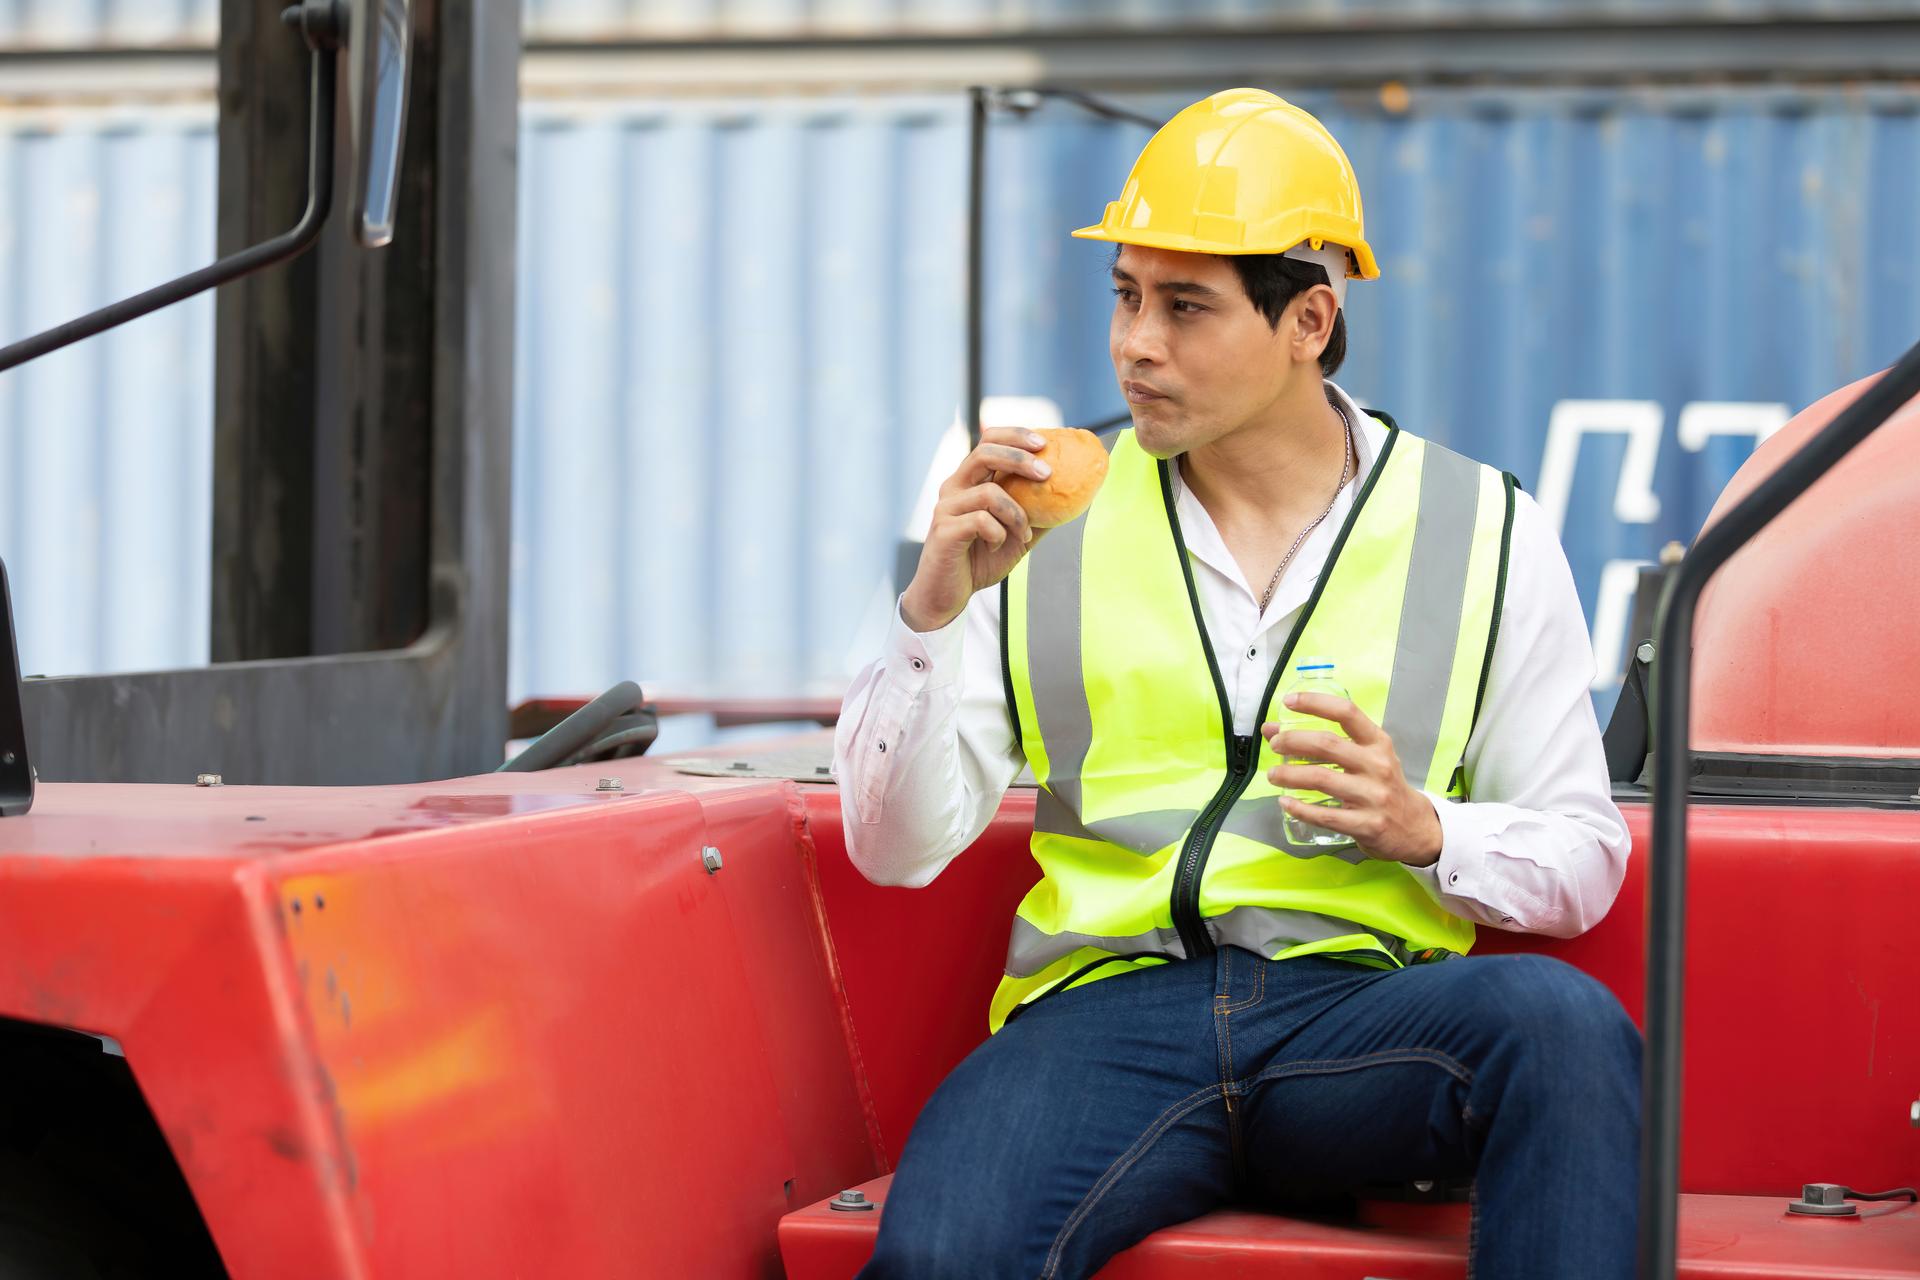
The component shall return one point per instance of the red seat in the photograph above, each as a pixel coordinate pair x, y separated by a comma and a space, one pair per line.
1800, 1041
1724, 1237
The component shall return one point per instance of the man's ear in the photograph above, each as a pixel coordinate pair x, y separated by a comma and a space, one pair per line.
1312, 317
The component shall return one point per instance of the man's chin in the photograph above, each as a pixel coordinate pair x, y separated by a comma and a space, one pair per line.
1157, 436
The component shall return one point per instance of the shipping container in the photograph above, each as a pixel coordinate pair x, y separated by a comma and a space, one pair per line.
741, 335
1639, 283
106, 448
148, 24
643, 19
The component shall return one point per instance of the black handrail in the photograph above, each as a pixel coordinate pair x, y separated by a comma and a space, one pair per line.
1671, 777
232, 267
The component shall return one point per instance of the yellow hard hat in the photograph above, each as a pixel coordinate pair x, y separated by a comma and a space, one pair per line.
1244, 171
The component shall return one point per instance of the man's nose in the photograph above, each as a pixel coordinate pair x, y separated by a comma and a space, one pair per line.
1144, 339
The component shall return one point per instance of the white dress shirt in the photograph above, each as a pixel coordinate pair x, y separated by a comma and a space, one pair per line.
924, 750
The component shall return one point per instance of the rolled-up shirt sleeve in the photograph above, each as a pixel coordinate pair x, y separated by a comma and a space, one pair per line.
1540, 846
924, 749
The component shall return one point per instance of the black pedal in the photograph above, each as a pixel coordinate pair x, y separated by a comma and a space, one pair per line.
16, 770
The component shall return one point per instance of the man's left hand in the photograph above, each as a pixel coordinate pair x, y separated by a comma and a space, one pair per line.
1384, 816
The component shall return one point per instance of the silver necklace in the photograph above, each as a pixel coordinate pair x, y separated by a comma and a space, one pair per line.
1346, 474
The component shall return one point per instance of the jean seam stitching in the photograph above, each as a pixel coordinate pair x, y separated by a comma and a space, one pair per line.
1381, 1058
1259, 992
1226, 1026
1473, 1226
1115, 1171
1222, 1049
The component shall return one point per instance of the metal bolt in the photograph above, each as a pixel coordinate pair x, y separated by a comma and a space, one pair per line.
208, 780
1422, 1185
610, 784
1673, 553
8, 758
1823, 1200
711, 857
1914, 1113
1645, 651
851, 1202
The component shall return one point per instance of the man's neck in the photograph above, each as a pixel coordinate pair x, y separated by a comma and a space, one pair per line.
1273, 475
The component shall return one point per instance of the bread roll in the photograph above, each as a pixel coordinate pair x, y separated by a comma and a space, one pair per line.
1079, 463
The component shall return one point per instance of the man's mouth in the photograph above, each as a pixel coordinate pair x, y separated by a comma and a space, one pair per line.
1140, 393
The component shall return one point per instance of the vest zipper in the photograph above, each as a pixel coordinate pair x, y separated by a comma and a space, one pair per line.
1241, 752
1193, 855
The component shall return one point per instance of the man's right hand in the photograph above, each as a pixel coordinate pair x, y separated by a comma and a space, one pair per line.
978, 534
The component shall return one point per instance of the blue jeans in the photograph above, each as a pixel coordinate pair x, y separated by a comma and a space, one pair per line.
1111, 1110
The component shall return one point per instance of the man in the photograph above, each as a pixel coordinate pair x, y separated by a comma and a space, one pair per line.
1197, 1007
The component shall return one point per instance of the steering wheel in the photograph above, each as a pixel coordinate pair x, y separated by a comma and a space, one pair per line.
577, 732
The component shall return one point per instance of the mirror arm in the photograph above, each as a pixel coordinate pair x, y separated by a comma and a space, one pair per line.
232, 267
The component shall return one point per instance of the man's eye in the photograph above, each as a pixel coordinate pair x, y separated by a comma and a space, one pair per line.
1188, 306
1127, 296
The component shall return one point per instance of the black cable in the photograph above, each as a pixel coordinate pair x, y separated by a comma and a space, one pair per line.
577, 732
643, 736
1898, 1193
1096, 106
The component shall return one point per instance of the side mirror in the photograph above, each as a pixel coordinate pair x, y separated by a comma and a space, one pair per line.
379, 56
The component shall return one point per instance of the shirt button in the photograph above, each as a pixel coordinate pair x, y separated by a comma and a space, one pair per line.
883, 747
1452, 879
919, 665
1252, 652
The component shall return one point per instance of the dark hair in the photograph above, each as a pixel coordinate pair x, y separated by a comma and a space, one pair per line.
1272, 281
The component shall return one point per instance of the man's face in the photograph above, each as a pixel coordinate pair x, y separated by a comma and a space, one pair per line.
1193, 357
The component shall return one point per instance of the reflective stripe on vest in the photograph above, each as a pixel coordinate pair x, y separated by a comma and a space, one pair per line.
1118, 702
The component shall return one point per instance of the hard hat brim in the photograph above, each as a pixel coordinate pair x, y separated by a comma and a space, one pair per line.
1367, 268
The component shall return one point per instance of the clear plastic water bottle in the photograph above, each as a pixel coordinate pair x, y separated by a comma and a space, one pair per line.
1312, 675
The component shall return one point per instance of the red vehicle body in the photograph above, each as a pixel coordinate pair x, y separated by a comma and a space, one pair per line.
513, 1025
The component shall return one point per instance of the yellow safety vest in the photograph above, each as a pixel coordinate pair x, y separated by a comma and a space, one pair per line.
1156, 830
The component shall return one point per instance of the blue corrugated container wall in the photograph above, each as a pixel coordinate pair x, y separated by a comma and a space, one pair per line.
742, 329
591, 19
106, 448
740, 335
